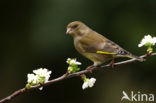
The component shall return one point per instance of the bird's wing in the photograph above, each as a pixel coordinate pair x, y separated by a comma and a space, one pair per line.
113, 48
102, 45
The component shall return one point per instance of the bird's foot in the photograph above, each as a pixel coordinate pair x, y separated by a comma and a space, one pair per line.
89, 68
112, 63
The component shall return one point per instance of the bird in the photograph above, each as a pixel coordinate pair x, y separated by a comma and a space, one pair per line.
95, 46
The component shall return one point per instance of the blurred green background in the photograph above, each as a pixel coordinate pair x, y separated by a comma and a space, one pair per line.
32, 35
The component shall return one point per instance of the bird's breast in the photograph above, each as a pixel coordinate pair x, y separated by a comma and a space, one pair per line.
78, 45
96, 58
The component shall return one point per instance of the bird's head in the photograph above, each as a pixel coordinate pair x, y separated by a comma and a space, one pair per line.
76, 28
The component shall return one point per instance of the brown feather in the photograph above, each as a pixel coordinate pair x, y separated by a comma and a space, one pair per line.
87, 42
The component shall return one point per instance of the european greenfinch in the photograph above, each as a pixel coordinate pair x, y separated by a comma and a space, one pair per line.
95, 46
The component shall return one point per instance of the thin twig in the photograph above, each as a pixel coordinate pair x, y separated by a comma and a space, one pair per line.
67, 76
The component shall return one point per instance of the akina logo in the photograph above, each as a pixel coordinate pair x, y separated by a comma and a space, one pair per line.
137, 96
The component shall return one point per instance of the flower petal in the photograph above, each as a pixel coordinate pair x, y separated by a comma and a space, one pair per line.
85, 85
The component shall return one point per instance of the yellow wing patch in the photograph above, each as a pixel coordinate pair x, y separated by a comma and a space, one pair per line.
101, 52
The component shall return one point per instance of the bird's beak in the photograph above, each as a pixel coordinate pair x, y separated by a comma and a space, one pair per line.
68, 30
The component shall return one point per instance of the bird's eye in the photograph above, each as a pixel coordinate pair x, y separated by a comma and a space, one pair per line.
75, 26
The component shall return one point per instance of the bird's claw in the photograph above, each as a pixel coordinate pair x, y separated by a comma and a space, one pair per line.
89, 68
112, 63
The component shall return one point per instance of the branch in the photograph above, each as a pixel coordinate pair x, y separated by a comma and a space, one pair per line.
67, 76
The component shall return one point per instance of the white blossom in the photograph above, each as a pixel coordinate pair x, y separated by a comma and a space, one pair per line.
68, 60
41, 88
85, 85
88, 83
73, 61
40, 76
43, 73
147, 40
33, 79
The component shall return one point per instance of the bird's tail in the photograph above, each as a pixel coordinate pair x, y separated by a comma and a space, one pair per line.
129, 55
123, 54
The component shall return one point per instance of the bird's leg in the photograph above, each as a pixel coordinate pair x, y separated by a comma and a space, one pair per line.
112, 63
89, 68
